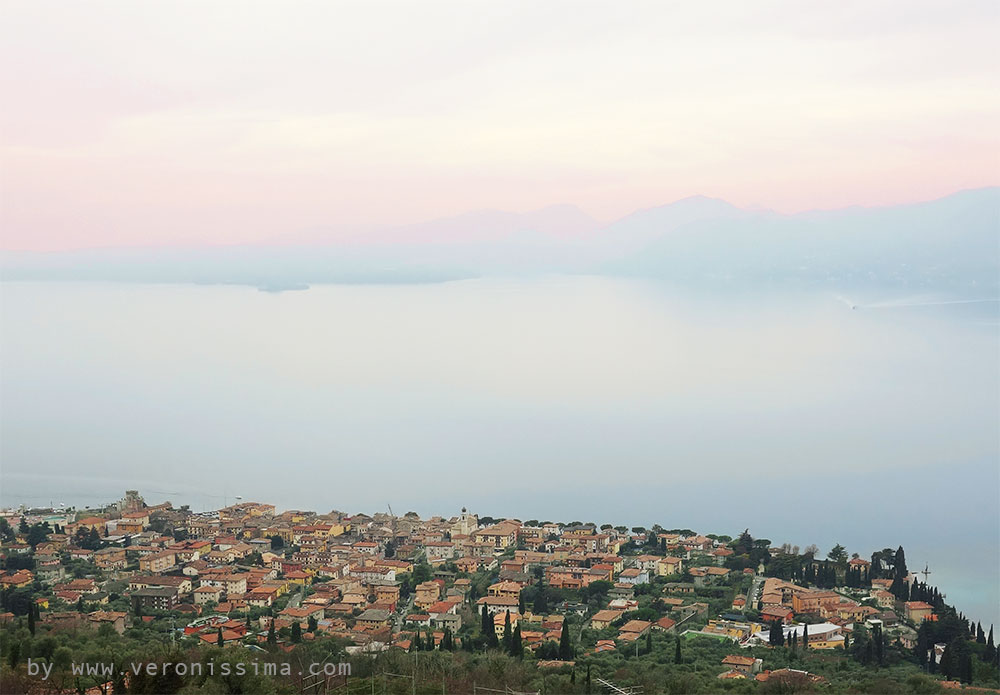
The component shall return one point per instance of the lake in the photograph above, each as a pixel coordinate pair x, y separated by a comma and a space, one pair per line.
566, 398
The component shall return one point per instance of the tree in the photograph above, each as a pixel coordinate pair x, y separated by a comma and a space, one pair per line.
838, 555
6, 532
677, 650
507, 634
649, 642
272, 639
416, 644
541, 604
296, 632
899, 587
565, 648
775, 636
805, 636
516, 647
218, 640
31, 621
312, 624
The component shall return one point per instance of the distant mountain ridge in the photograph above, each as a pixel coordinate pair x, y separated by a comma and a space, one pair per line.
948, 244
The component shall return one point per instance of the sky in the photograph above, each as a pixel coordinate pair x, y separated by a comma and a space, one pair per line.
166, 123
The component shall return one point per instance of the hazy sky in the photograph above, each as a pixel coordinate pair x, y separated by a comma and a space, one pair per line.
172, 122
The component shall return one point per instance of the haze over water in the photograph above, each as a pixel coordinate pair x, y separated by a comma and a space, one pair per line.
563, 397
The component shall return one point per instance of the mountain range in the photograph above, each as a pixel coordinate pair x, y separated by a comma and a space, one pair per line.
949, 244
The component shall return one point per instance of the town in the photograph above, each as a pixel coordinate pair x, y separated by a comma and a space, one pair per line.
461, 604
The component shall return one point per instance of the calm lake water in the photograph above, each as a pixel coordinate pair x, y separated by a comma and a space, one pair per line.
567, 398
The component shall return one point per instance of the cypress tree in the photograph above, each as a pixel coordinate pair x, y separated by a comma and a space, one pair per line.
980, 635
31, 621
677, 651
947, 659
565, 648
966, 667
774, 636
516, 647
486, 622
649, 642
805, 637
272, 638
507, 633
415, 644
218, 638
296, 632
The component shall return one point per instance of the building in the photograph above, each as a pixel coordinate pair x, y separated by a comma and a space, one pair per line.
374, 618
110, 559
634, 575
917, 611
501, 535
207, 594
746, 665
161, 598
158, 562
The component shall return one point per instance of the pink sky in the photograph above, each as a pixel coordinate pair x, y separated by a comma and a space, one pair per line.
130, 123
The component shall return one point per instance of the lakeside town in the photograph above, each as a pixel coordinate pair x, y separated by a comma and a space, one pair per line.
513, 605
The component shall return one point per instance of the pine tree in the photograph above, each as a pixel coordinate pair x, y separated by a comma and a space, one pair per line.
677, 650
